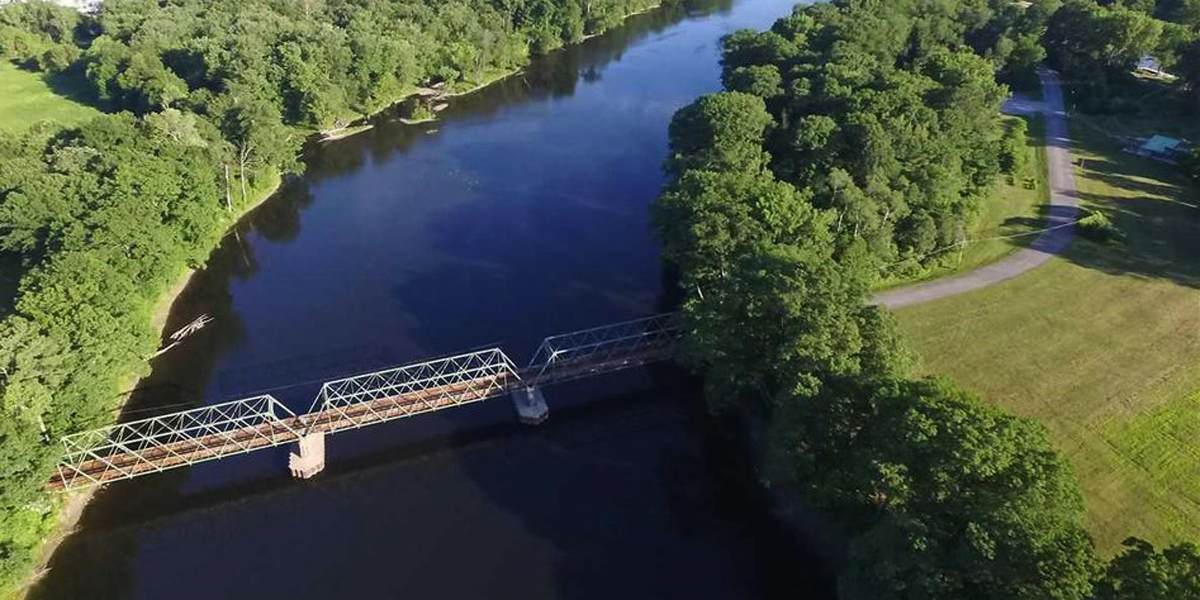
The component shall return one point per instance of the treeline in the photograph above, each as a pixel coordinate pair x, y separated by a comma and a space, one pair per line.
313, 62
845, 134
1098, 45
213, 100
889, 119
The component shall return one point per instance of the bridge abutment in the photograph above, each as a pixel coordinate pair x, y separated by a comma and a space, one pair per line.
531, 405
311, 459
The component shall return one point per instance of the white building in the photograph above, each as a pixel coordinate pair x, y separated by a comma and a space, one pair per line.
80, 5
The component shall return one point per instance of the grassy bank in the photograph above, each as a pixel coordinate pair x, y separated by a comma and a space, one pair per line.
1102, 345
27, 98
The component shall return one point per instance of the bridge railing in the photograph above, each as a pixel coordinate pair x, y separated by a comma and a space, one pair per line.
178, 439
411, 389
603, 349
206, 433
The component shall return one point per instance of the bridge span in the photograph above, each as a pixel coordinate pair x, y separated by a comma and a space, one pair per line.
188, 437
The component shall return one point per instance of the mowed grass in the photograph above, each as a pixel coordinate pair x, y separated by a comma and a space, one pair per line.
27, 98
1007, 219
1102, 345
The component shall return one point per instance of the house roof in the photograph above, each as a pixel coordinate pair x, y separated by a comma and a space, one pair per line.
1161, 144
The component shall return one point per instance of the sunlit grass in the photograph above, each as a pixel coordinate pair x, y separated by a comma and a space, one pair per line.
1102, 345
27, 98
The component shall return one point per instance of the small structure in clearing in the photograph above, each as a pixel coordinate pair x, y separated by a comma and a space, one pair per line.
1163, 149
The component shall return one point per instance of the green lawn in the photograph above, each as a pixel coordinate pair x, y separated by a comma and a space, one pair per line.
1102, 345
1012, 209
27, 98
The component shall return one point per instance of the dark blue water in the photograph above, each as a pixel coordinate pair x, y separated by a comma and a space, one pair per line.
520, 214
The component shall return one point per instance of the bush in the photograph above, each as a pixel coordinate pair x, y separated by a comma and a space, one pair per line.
1096, 226
1014, 147
58, 58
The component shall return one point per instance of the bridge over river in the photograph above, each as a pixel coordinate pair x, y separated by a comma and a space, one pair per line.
183, 438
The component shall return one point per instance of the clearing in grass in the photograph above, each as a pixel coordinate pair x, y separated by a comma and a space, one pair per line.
28, 98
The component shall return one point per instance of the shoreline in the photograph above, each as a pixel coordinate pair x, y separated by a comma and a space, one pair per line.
71, 506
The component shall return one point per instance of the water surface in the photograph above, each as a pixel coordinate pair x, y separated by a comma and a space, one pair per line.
522, 213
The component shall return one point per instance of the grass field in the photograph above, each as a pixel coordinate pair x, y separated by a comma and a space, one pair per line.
1012, 209
1102, 345
27, 98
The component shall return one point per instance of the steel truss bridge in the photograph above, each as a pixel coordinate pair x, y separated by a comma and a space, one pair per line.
188, 437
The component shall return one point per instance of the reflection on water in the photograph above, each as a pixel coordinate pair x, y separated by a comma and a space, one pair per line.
522, 213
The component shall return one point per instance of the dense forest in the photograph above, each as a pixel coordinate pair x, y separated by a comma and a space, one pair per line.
212, 100
854, 137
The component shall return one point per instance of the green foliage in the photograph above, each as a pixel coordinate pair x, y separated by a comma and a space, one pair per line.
1143, 573
317, 63
105, 216
30, 29
1012, 39
854, 134
945, 496
881, 114
1098, 227
1098, 47
1183, 12
722, 131
954, 499
1014, 148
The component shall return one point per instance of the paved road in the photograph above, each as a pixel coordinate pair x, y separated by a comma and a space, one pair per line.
1064, 208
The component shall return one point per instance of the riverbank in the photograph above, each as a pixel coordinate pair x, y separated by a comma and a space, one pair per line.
73, 506
359, 123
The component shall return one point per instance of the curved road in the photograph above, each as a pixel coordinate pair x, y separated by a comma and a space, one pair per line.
1064, 208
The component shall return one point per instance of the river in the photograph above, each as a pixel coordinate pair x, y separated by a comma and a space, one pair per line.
520, 214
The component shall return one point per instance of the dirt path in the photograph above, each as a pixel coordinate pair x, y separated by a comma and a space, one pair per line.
1064, 208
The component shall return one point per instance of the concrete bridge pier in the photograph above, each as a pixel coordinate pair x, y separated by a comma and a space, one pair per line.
531, 405
311, 459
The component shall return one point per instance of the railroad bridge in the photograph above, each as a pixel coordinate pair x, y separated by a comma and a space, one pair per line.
188, 437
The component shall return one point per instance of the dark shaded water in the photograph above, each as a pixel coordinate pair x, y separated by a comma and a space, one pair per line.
522, 213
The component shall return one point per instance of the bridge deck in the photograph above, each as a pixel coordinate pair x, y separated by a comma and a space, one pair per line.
207, 433
125, 465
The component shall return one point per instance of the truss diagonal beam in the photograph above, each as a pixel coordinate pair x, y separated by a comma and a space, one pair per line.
603, 349
412, 389
207, 433
174, 440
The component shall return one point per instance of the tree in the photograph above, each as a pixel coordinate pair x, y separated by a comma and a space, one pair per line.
1087, 40
784, 319
1142, 573
722, 131
945, 496
707, 219
146, 85
259, 139
1184, 12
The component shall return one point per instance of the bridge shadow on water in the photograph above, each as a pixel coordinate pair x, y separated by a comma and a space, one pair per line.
633, 495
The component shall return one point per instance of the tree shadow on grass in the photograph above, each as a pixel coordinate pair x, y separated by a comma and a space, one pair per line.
1155, 213
72, 85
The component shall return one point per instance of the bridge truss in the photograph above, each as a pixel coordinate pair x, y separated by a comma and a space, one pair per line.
604, 349
178, 439
410, 390
207, 433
